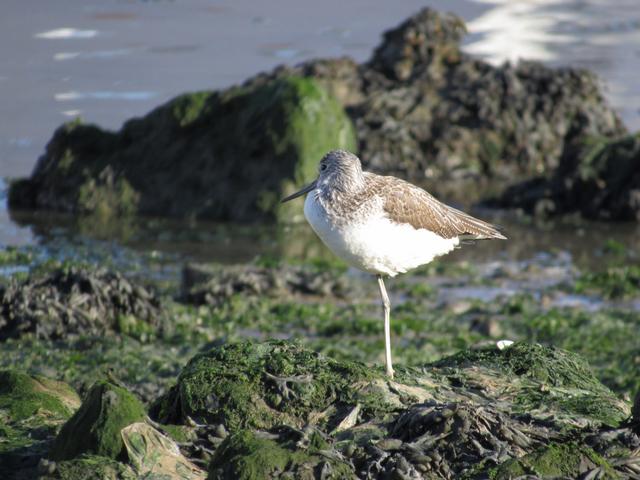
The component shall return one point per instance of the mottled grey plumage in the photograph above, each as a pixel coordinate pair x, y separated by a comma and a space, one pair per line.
348, 191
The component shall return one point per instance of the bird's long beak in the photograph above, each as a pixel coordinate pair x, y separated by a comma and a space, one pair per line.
301, 192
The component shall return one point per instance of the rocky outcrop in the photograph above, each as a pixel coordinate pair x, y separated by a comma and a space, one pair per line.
600, 180
425, 110
77, 300
225, 155
277, 409
95, 427
421, 108
273, 409
32, 410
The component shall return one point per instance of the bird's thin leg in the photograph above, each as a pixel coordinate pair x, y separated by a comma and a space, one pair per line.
386, 308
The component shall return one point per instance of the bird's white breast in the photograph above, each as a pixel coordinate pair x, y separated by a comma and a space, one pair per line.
375, 244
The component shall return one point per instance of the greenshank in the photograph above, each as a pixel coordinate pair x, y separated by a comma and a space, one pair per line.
381, 224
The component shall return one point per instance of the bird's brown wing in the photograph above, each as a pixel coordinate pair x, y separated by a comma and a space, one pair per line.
406, 203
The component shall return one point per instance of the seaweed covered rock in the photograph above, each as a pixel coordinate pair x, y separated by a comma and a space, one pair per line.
32, 409
600, 180
276, 409
76, 300
556, 461
214, 284
261, 386
250, 455
95, 428
425, 110
536, 372
149, 454
421, 108
424, 44
85, 467
228, 154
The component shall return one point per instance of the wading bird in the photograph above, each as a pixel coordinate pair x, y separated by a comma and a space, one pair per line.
381, 224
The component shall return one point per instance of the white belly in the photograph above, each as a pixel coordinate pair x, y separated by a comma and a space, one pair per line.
375, 244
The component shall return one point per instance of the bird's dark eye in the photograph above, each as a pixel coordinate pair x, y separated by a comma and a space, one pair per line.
323, 166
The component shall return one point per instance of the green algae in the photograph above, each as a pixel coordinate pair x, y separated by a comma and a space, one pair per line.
95, 427
246, 455
107, 197
615, 282
91, 466
179, 433
353, 331
560, 380
182, 159
553, 461
15, 256
190, 107
261, 385
66, 161
32, 408
301, 122
606, 338
544, 364
79, 361
279, 383
284, 405
135, 327
23, 396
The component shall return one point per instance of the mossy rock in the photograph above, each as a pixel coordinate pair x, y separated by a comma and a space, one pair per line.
276, 409
90, 466
568, 460
227, 155
262, 385
32, 408
55, 301
544, 380
95, 427
248, 455
23, 396
598, 179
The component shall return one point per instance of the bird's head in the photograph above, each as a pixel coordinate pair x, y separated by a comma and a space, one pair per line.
338, 170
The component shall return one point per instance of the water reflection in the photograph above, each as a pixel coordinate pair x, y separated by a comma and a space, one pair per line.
602, 36
581, 243
513, 31
104, 95
99, 54
65, 33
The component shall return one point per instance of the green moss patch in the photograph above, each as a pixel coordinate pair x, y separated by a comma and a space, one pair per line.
615, 282
248, 455
544, 378
90, 466
32, 408
555, 461
95, 427
262, 385
222, 155
548, 365
15, 256
23, 396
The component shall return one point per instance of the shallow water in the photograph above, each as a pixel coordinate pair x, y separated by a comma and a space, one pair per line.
110, 60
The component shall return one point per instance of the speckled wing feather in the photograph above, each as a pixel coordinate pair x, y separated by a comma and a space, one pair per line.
406, 203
